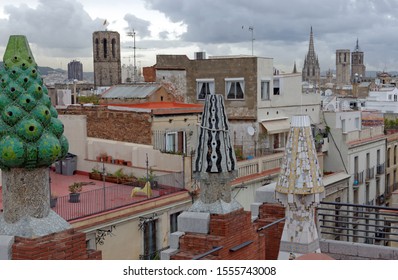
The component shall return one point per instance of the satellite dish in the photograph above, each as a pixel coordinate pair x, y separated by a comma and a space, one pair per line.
328, 92
251, 130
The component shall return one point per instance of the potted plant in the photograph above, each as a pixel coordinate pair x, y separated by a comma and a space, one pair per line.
129, 179
74, 192
119, 174
103, 156
151, 178
53, 200
95, 173
111, 178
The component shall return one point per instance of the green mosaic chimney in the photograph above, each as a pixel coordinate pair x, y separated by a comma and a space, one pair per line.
31, 135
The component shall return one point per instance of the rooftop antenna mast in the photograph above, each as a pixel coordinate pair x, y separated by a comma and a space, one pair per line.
132, 34
251, 28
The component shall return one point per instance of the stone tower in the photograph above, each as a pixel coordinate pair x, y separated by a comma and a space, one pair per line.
299, 188
311, 71
343, 66
358, 69
107, 61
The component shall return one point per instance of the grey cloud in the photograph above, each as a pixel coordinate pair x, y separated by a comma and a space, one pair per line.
140, 26
337, 24
164, 35
60, 27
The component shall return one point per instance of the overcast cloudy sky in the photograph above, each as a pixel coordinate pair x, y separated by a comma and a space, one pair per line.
61, 30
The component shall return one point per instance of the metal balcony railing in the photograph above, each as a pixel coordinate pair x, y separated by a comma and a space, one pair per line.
380, 169
358, 223
358, 178
394, 186
370, 173
112, 197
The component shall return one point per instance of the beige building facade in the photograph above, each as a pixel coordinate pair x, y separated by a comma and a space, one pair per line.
259, 100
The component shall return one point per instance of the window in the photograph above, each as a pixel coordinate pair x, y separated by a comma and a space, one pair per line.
357, 123
276, 87
105, 47
113, 48
337, 218
264, 90
204, 87
235, 88
395, 97
174, 222
97, 48
343, 126
149, 239
367, 193
279, 140
175, 142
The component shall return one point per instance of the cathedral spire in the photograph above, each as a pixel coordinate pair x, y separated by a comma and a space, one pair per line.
357, 49
311, 70
311, 49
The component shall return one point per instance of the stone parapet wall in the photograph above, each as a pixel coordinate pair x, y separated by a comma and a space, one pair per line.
341, 250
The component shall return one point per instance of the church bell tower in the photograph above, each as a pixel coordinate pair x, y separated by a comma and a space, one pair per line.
107, 61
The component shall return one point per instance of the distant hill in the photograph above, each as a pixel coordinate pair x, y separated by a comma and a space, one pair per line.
44, 70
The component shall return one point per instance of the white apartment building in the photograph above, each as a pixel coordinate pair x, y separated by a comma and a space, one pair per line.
359, 152
385, 100
277, 105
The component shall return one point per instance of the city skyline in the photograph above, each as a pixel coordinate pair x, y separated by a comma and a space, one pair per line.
60, 31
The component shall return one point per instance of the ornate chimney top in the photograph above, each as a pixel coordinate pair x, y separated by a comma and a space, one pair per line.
300, 171
215, 160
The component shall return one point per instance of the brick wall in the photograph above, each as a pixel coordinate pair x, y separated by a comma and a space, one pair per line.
149, 74
218, 69
268, 213
114, 125
226, 230
65, 245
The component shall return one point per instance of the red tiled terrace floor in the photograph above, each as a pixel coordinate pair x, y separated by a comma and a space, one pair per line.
91, 201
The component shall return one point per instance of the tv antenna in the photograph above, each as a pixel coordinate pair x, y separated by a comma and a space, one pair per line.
251, 29
132, 34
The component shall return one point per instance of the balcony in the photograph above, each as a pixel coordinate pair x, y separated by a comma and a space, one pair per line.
370, 173
380, 169
380, 200
100, 198
369, 224
259, 165
358, 178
